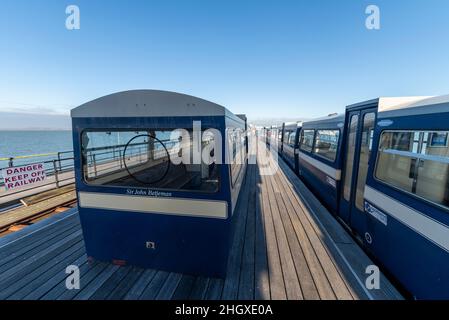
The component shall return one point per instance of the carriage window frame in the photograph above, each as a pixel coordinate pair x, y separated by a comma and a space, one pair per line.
301, 144
293, 133
285, 135
337, 144
90, 185
399, 189
235, 177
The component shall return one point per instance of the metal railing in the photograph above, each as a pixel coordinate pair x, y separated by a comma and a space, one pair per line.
99, 160
111, 158
58, 164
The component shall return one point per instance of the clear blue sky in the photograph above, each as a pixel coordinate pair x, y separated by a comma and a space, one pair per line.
264, 58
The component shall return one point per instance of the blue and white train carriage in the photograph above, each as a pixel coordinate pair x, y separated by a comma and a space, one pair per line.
392, 157
319, 160
402, 150
158, 176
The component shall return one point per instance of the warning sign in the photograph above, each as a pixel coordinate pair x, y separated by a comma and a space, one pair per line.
18, 177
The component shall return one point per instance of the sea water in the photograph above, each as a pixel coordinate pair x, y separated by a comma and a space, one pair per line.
25, 143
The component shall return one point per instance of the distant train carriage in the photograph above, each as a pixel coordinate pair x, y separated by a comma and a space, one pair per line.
280, 137
319, 157
290, 143
158, 176
267, 135
274, 137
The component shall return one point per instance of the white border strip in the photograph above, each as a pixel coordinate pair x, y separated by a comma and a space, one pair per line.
145, 204
429, 228
331, 172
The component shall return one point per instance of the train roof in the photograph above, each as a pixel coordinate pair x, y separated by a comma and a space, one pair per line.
407, 106
293, 125
331, 121
149, 103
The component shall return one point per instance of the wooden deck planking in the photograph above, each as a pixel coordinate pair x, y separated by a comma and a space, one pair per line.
139, 286
13, 263
214, 289
47, 272
276, 278
247, 267
199, 289
51, 278
231, 283
291, 282
347, 256
126, 284
29, 265
33, 233
327, 270
303, 269
261, 276
279, 250
10, 253
154, 286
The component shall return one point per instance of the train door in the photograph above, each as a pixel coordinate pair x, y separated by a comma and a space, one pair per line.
281, 139
359, 142
296, 150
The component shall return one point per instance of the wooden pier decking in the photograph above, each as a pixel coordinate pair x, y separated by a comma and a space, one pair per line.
285, 245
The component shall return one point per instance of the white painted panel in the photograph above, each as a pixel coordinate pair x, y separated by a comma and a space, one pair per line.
331, 172
145, 204
433, 230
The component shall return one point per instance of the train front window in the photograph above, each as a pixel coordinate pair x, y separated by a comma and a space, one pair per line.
416, 162
326, 143
159, 159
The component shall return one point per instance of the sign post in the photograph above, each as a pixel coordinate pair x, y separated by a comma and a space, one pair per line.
18, 177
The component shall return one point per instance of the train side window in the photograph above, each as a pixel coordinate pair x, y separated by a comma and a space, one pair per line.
432, 176
326, 143
286, 136
350, 154
422, 170
291, 139
307, 137
237, 141
395, 160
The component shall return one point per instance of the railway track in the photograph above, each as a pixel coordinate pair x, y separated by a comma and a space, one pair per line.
17, 217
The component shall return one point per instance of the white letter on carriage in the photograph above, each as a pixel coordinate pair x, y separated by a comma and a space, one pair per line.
73, 280
373, 280
73, 20
373, 20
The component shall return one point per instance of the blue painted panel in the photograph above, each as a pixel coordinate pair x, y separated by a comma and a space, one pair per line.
288, 155
418, 264
190, 245
317, 181
197, 246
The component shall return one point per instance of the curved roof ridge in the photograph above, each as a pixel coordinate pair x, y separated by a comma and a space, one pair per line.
144, 103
